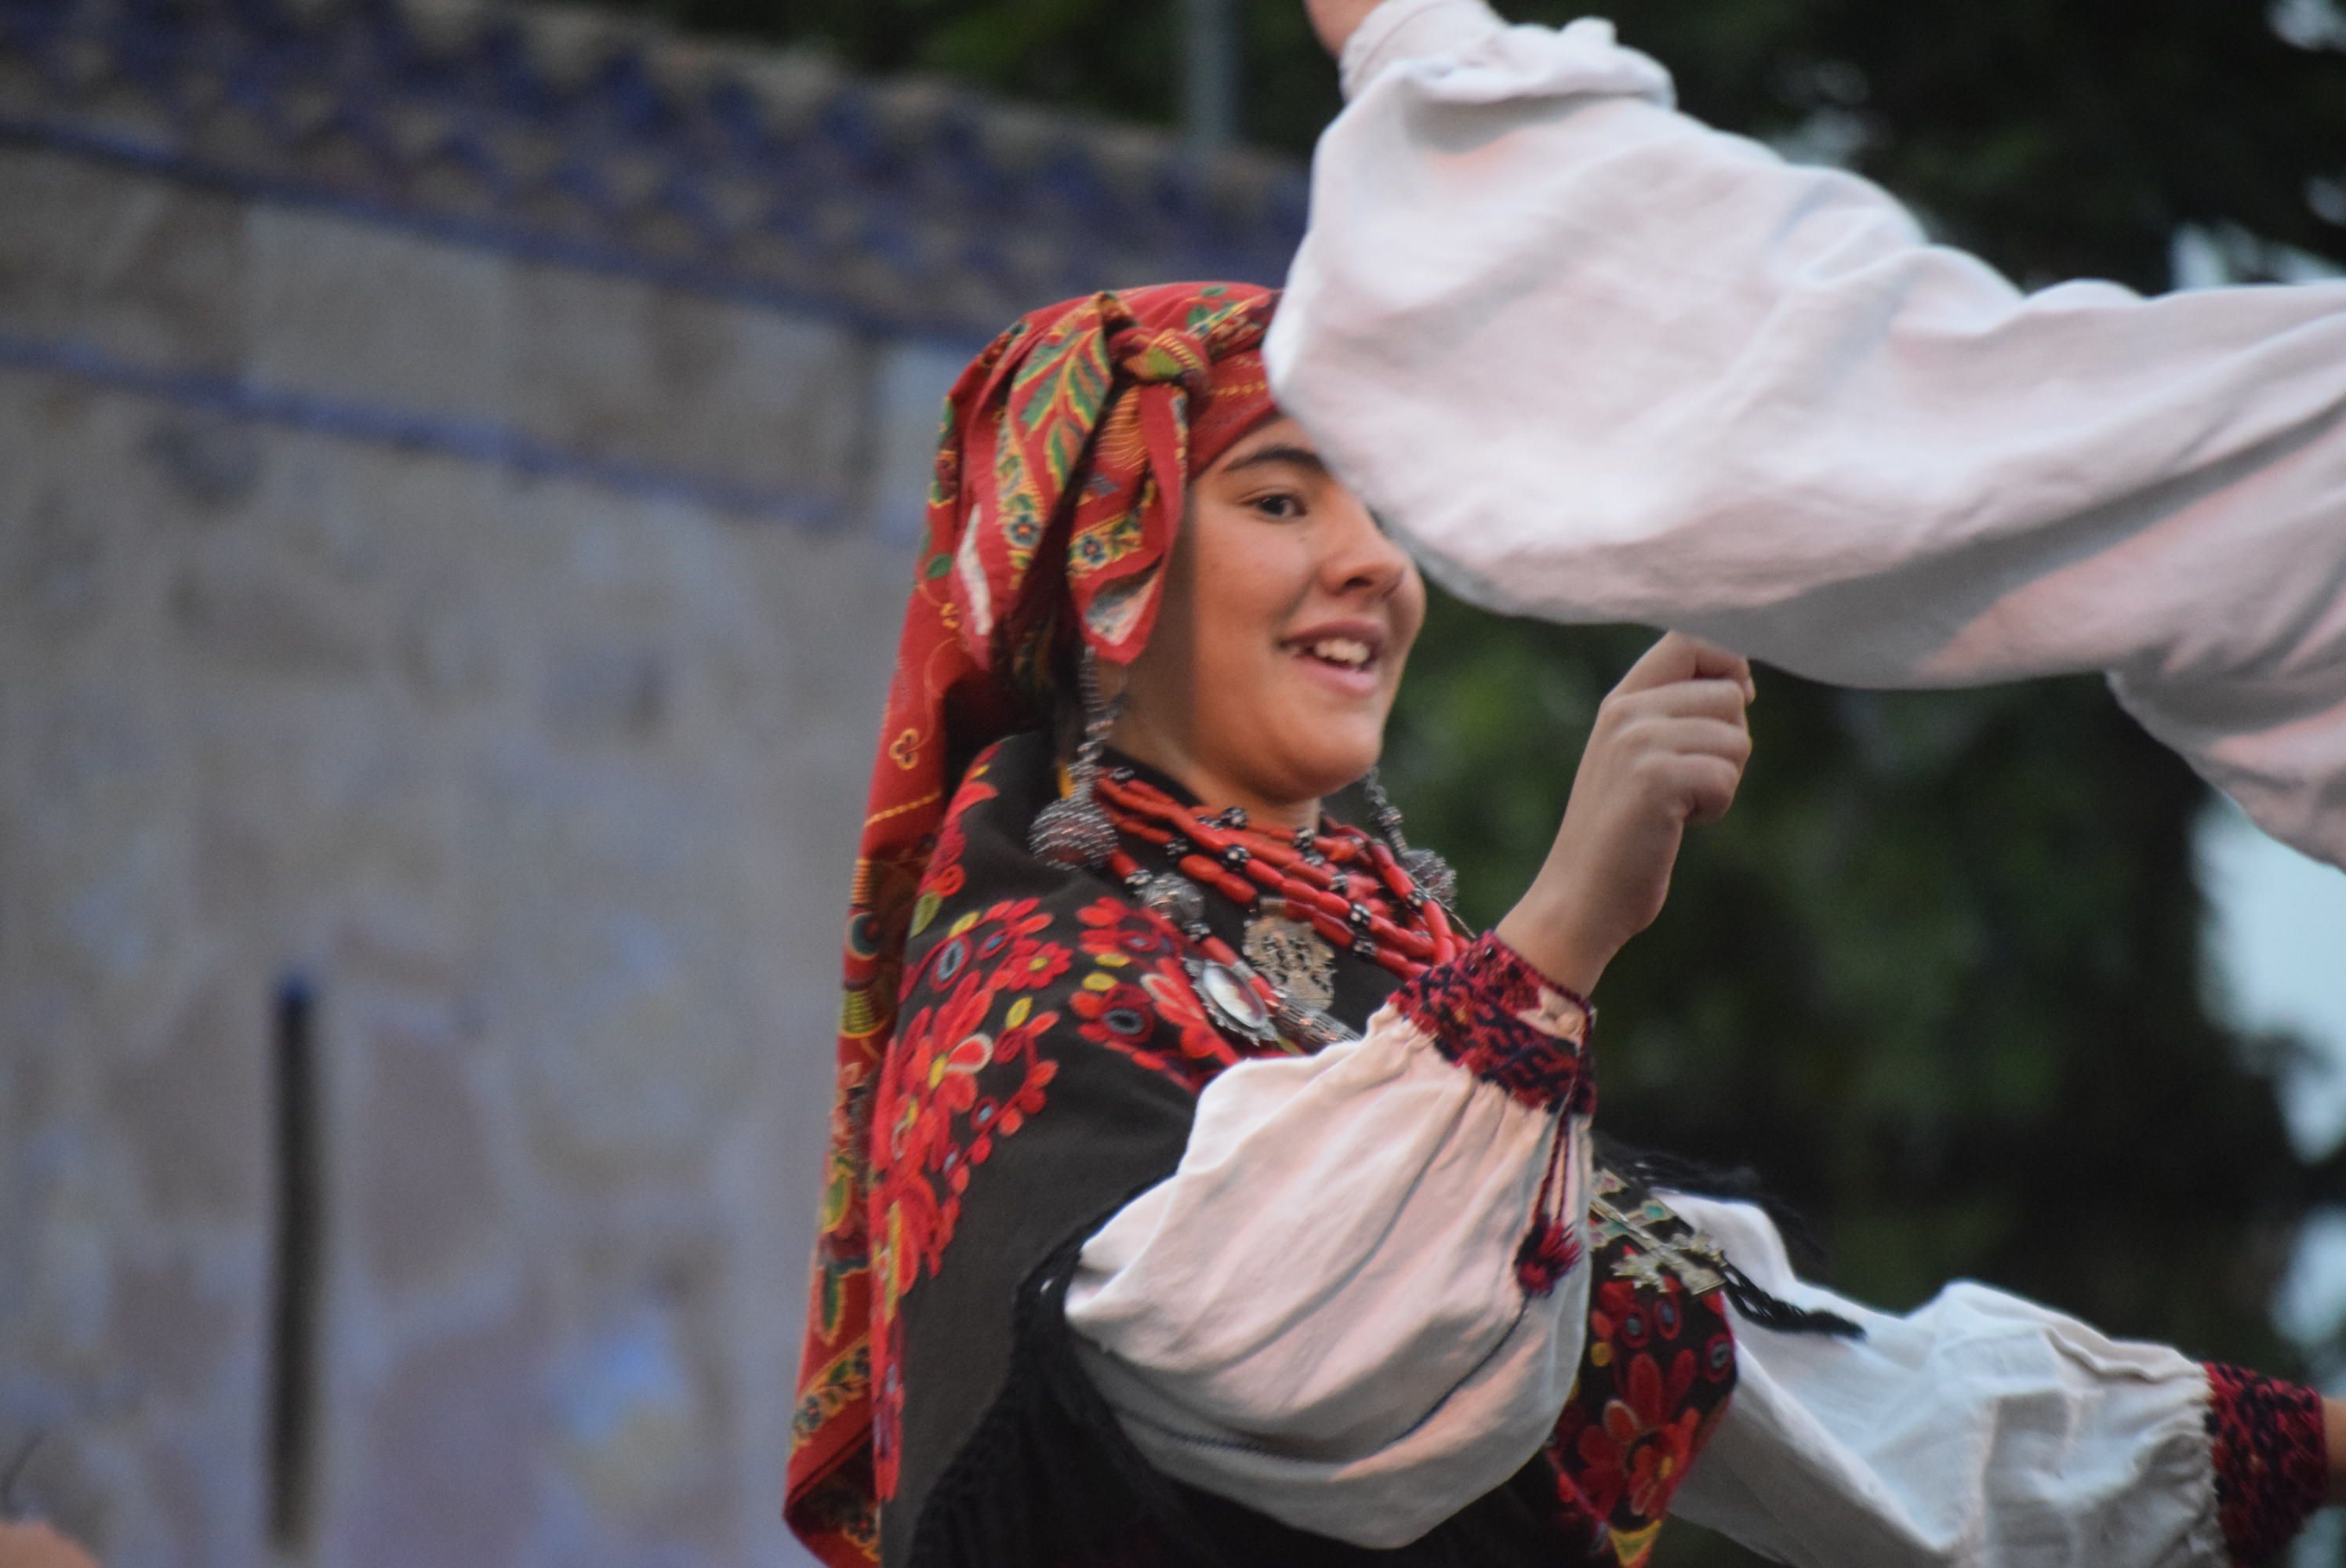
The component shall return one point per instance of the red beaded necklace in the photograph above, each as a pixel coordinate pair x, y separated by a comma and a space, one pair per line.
1345, 885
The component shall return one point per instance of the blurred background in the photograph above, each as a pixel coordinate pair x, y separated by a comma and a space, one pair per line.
458, 471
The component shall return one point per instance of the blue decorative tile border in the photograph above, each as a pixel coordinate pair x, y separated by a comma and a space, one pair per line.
478, 441
908, 210
586, 254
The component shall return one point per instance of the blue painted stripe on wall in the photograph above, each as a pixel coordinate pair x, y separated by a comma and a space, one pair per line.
476, 441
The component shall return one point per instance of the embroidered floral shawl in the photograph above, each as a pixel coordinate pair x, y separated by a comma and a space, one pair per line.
1046, 1071
1067, 446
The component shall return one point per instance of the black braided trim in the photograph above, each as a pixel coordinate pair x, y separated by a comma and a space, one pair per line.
1048, 1478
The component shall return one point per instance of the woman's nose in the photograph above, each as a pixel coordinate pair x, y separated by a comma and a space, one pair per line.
1365, 558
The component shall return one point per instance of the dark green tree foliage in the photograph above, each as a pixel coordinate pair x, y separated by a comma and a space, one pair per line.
1938, 977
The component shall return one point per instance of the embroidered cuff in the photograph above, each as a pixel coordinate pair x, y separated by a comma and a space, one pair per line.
1402, 30
2272, 1460
1500, 1019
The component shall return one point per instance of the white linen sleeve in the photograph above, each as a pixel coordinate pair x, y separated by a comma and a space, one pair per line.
1596, 361
1981, 1429
1338, 1311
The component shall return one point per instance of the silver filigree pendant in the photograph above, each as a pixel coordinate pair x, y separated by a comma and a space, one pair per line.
1074, 831
1432, 874
1232, 1001
1173, 896
1290, 955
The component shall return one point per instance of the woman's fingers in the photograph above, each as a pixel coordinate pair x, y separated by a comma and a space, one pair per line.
1692, 786
1694, 772
1671, 658
1714, 663
1713, 699
1679, 657
1336, 20
1668, 750
1700, 737
1708, 785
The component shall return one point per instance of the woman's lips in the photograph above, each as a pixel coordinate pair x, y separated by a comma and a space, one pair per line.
1351, 680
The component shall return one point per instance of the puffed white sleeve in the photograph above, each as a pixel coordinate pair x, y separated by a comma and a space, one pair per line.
1358, 1304
1984, 1431
1594, 361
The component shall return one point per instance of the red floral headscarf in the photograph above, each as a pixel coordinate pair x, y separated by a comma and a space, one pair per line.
1072, 438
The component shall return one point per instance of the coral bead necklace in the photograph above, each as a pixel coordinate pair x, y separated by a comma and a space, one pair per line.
1341, 885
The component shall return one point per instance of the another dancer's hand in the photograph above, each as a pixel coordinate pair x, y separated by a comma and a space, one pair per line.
2333, 1428
1336, 20
32, 1544
1668, 750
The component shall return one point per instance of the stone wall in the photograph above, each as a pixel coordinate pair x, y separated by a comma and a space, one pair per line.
451, 665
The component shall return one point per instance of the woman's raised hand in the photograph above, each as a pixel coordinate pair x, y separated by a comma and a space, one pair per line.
1336, 20
1668, 749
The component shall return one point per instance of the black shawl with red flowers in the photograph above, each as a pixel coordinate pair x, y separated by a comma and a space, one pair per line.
1045, 1071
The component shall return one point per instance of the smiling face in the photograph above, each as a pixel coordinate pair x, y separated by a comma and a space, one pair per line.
1286, 619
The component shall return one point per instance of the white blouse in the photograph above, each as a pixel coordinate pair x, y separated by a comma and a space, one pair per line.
1596, 361
1319, 1315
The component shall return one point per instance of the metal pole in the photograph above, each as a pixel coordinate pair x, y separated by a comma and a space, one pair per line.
1209, 84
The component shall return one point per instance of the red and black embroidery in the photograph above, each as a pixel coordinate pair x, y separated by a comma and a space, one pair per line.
964, 1071
1495, 1015
1656, 1374
2272, 1459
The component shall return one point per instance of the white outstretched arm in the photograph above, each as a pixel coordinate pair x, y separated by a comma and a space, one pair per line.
1987, 1432
1596, 361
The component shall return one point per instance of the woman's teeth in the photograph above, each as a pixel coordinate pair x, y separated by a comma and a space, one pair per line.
1347, 652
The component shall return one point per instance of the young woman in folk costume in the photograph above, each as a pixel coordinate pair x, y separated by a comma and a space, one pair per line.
1201, 1194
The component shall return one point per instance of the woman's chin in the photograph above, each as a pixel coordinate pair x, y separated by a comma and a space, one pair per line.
1326, 769
1305, 745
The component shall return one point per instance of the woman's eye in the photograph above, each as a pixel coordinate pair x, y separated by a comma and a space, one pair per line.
1280, 506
